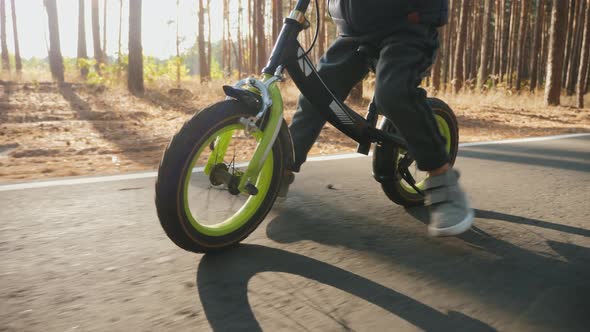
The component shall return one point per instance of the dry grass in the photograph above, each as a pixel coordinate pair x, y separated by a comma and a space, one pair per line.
498, 115
48, 132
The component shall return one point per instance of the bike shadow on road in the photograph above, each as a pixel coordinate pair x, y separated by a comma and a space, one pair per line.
543, 291
222, 282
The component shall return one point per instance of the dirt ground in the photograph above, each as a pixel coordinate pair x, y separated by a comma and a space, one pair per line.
46, 131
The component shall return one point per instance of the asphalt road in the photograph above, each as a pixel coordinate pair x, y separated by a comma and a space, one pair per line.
92, 256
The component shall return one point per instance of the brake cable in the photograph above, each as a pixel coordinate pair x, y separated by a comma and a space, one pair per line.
317, 30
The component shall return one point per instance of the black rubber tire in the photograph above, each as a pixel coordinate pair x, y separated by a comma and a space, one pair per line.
392, 185
173, 168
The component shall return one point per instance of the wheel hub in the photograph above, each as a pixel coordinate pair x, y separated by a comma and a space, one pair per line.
220, 175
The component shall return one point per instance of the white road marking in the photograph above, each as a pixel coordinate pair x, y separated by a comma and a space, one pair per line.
72, 181
144, 175
523, 140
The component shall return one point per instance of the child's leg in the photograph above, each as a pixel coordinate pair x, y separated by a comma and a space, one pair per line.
404, 58
341, 68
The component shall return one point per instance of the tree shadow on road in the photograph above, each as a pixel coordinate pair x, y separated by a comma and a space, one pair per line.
502, 275
130, 142
222, 281
76, 103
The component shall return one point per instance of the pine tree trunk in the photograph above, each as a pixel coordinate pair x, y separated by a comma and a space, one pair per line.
5, 58
321, 47
232, 46
454, 40
177, 45
82, 38
119, 55
446, 51
497, 39
260, 36
55, 59
135, 71
536, 44
436, 68
460, 49
585, 60
269, 42
568, 34
224, 38
521, 43
471, 30
240, 59
228, 40
104, 30
476, 44
209, 48
203, 73
499, 29
556, 52
277, 18
253, 19
96, 35
467, 45
542, 73
506, 14
574, 64
17, 59
273, 19
482, 75
491, 41
512, 46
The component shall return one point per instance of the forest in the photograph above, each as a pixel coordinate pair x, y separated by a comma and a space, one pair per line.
511, 68
514, 45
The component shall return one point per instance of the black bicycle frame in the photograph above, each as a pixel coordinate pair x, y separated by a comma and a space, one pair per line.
289, 54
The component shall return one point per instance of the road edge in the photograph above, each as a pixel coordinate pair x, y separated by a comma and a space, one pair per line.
143, 175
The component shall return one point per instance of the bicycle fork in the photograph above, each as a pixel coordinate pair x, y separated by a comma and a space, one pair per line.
271, 110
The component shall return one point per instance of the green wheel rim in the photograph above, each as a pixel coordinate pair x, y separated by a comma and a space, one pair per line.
445, 131
251, 205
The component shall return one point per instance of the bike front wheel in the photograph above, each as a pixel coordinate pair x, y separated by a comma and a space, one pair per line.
197, 198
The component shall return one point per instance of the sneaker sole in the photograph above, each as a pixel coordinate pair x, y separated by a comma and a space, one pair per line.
457, 229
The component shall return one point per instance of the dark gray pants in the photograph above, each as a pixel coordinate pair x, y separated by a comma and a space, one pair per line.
404, 56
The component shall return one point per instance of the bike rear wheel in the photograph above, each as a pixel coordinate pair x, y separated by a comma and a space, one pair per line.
197, 198
397, 188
